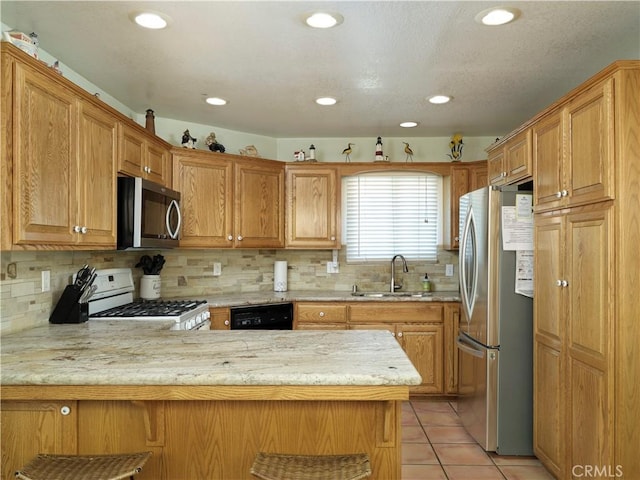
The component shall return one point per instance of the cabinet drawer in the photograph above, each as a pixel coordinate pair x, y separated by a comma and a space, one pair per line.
396, 312
314, 312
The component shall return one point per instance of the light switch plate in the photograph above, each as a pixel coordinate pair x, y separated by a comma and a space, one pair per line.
449, 270
333, 267
217, 269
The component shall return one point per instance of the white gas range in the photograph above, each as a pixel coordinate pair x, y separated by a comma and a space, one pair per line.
113, 300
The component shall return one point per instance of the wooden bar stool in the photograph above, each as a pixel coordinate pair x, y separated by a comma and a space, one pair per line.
273, 466
83, 467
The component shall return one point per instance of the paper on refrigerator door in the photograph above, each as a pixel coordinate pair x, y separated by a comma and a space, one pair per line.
517, 232
524, 273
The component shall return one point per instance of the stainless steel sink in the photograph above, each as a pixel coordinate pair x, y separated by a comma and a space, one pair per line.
392, 294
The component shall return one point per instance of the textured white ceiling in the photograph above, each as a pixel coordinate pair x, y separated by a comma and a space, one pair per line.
380, 63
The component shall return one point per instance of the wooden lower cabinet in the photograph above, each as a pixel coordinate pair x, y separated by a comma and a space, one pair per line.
220, 318
54, 421
423, 345
425, 330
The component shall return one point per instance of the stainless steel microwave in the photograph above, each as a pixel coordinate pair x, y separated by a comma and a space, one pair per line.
148, 214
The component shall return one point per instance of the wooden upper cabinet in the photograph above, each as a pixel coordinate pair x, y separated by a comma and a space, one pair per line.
228, 201
97, 176
511, 161
143, 156
463, 178
573, 150
259, 203
205, 183
64, 166
312, 207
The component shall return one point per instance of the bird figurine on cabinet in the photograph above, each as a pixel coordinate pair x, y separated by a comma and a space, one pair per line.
409, 152
187, 140
456, 145
347, 151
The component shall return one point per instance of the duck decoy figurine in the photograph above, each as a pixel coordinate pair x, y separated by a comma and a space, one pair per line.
409, 152
347, 151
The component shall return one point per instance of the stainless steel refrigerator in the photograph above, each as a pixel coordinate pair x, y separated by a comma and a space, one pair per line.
495, 338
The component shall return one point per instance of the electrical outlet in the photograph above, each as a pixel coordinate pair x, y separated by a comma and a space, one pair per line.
217, 269
449, 270
46, 280
333, 267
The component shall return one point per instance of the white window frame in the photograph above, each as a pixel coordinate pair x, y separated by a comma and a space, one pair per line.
370, 253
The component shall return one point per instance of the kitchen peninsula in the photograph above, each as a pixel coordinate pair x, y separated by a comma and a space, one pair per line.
203, 402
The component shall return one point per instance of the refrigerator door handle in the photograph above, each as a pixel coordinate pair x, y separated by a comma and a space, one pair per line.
466, 348
468, 280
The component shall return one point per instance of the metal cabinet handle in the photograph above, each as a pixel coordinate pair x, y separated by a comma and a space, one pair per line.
230, 237
239, 237
565, 283
226, 322
558, 283
64, 410
558, 194
399, 334
564, 193
84, 230
321, 314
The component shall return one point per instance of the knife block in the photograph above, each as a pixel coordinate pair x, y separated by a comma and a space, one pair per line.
69, 309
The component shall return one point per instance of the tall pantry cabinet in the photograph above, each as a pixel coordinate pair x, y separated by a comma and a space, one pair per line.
586, 156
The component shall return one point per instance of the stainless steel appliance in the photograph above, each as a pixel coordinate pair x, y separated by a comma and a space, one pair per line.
272, 316
148, 214
113, 300
495, 338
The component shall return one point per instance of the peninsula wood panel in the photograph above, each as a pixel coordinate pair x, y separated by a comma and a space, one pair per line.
32, 427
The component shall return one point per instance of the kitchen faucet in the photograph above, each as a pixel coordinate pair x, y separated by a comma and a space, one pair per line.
405, 269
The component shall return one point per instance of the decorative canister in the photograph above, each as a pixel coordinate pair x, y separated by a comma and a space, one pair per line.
150, 287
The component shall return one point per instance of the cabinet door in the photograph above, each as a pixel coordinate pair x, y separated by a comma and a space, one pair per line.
548, 161
590, 333
495, 166
460, 185
132, 151
158, 162
206, 187
517, 157
423, 344
549, 380
220, 318
97, 177
32, 427
45, 160
312, 208
259, 204
590, 145
450, 358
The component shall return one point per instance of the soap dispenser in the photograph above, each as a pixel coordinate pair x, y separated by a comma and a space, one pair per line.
426, 283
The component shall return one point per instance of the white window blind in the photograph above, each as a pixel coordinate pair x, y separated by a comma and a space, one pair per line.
389, 214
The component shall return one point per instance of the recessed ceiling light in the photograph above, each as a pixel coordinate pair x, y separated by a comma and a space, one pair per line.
497, 16
326, 101
216, 101
153, 20
439, 99
324, 20
409, 124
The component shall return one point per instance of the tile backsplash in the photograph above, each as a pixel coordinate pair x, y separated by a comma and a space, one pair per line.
189, 274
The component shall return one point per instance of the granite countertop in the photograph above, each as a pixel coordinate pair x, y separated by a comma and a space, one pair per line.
141, 353
255, 298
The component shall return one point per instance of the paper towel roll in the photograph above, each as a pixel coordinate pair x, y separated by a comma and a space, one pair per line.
280, 276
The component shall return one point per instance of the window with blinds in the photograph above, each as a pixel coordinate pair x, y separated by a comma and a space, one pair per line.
392, 213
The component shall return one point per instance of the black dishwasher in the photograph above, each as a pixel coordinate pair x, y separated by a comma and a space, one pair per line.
271, 316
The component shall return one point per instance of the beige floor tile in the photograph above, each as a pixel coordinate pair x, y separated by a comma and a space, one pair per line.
448, 435
432, 406
413, 434
461, 454
523, 472
475, 472
514, 460
439, 419
423, 472
418, 454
